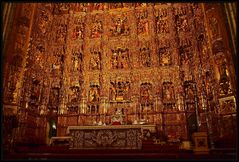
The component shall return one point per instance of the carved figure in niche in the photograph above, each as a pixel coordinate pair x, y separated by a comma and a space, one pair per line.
16, 62
208, 85
145, 56
181, 11
77, 58
95, 59
78, 32
127, 5
140, 4
227, 106
188, 87
112, 92
126, 90
120, 59
43, 21
94, 93
97, 6
35, 91
217, 47
119, 90
118, 116
54, 97
161, 13
214, 27
145, 90
119, 27
12, 81
224, 80
185, 51
74, 94
142, 25
97, 29
79, 7
168, 91
182, 24
162, 26
115, 5
61, 8
61, 33
114, 60
185, 54
58, 60
165, 56
123, 58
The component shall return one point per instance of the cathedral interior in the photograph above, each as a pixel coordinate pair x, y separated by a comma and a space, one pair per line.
119, 76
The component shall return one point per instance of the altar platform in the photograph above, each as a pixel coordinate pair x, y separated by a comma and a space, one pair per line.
105, 137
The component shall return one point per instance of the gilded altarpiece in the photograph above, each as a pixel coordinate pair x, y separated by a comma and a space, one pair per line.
150, 63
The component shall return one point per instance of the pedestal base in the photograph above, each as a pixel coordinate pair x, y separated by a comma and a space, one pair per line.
201, 143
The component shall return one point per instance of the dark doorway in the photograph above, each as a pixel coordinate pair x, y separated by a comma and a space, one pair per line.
192, 125
53, 126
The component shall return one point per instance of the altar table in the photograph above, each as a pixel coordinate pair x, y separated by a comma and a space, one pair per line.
105, 137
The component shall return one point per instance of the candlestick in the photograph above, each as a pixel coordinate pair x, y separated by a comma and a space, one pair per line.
135, 111
140, 107
156, 105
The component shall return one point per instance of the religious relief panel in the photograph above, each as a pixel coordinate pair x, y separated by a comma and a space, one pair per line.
24, 19
164, 53
209, 85
142, 22
97, 27
145, 56
75, 92
168, 95
120, 58
43, 21
35, 94
95, 60
119, 89
182, 19
78, 28
61, 8
115, 5
182, 10
214, 28
218, 47
182, 24
57, 60
141, 4
79, 7
120, 25
189, 91
94, 98
60, 30
224, 82
162, 26
162, 23
97, 6
94, 93
74, 98
21, 37
14, 70
227, 105
146, 93
77, 59
185, 51
54, 99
